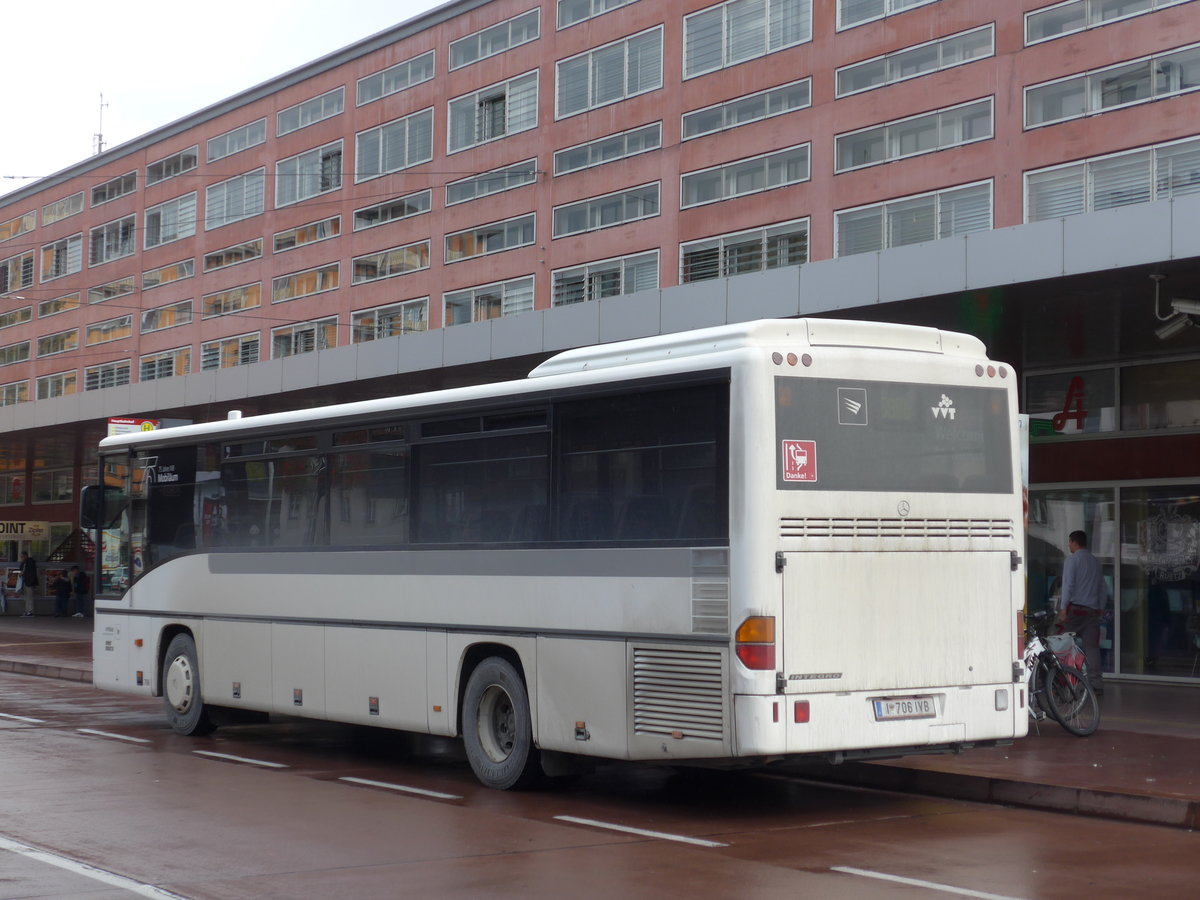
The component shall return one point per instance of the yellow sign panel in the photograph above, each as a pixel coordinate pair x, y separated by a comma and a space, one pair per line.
24, 531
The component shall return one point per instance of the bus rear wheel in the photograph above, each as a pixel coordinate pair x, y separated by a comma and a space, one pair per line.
182, 701
497, 730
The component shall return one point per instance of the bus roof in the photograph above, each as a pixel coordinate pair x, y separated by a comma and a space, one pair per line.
642, 352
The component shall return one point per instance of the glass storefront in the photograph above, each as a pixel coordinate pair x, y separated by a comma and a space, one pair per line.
1053, 515
1160, 555
1147, 540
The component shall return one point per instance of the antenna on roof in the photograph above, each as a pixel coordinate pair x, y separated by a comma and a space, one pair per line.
98, 137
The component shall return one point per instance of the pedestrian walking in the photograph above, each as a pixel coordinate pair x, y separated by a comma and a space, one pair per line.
1084, 597
81, 585
61, 585
29, 582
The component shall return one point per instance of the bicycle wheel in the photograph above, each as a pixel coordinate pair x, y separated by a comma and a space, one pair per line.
1072, 701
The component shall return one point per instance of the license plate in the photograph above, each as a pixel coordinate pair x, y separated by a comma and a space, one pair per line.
893, 708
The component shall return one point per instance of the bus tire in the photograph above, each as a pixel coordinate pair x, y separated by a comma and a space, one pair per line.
497, 730
182, 700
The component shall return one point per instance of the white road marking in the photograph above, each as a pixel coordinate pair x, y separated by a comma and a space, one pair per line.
88, 871
916, 882
242, 759
662, 835
22, 719
437, 795
115, 737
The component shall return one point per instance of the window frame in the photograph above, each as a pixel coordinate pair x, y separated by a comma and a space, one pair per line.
938, 126
599, 267
311, 111
173, 165
598, 202
325, 168
523, 230
595, 57
736, 168
491, 32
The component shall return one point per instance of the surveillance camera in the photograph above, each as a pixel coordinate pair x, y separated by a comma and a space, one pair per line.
1187, 307
1172, 327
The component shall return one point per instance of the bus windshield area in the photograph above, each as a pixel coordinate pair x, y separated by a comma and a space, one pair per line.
848, 435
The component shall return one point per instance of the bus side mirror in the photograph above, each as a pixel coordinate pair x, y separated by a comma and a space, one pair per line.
90, 501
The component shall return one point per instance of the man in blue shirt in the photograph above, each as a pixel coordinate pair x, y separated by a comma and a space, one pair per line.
1084, 597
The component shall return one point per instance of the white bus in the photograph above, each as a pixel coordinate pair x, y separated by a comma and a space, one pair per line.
735, 545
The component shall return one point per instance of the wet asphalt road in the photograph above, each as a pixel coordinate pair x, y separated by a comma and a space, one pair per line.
99, 800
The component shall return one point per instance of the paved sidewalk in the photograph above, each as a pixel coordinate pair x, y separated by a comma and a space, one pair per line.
1142, 765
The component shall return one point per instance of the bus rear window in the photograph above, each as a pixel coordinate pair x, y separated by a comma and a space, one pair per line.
846, 435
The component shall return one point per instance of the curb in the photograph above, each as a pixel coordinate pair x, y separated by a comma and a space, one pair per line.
63, 673
1176, 812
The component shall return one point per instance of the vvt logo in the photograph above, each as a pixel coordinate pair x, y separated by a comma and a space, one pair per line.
945, 408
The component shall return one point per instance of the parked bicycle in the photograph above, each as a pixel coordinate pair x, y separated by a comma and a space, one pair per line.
1055, 688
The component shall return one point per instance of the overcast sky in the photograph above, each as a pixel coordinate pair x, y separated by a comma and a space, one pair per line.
154, 63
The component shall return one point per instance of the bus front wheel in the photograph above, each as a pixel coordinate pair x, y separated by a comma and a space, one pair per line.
181, 688
496, 726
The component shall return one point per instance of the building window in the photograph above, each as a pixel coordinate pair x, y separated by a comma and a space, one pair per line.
62, 209
108, 330
1127, 84
114, 188
168, 274
166, 364
393, 79
225, 354
106, 375
234, 199
740, 30
172, 166
304, 337
112, 240
494, 182
11, 354
394, 146
857, 12
608, 149
20, 225
1078, 15
744, 110
61, 384
605, 212
389, 263
237, 140
58, 305
222, 303
16, 317
389, 321
231, 256
63, 257
494, 238
167, 316
12, 472
606, 278
120, 288
745, 176
305, 284
572, 12
62, 342
13, 393
922, 59
604, 75
1159, 172
912, 220
495, 39
393, 210
16, 272
915, 135
303, 114
308, 234
171, 221
746, 251
489, 301
308, 174
493, 112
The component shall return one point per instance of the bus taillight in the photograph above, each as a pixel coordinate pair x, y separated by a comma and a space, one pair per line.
755, 639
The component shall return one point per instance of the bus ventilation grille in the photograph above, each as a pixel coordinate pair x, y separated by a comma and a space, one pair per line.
901, 529
678, 693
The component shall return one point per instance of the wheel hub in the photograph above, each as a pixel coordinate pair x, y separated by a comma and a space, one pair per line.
180, 682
